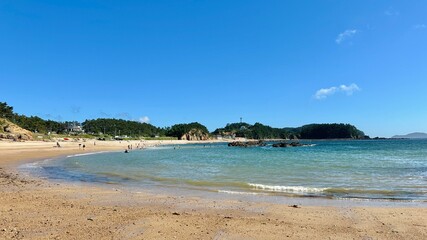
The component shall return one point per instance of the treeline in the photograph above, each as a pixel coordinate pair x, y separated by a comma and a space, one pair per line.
330, 131
36, 124
100, 126
256, 131
32, 123
311, 131
120, 127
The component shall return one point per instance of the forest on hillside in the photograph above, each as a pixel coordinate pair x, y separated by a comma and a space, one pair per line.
120, 127
311, 131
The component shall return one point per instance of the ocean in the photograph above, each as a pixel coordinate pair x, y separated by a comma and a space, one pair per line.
391, 170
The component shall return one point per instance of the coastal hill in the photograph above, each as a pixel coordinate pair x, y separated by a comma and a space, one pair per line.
191, 131
415, 135
12, 131
105, 128
310, 131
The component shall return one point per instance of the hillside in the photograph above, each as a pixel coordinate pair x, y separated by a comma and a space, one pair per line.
12, 131
188, 131
415, 135
310, 131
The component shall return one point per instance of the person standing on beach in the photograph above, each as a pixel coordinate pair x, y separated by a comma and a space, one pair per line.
84, 147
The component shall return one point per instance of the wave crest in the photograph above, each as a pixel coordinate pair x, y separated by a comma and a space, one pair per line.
288, 189
238, 193
85, 154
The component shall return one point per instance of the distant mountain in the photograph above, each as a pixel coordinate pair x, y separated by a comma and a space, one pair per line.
412, 135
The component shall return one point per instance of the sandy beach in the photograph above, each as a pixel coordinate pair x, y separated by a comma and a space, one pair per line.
37, 209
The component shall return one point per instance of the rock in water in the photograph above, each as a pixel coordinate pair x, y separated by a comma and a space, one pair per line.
292, 144
259, 143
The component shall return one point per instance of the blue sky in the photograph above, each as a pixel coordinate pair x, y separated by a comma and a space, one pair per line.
281, 63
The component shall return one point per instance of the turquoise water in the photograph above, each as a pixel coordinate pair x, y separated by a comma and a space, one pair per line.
382, 169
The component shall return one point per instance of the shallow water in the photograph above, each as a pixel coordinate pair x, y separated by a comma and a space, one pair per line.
381, 169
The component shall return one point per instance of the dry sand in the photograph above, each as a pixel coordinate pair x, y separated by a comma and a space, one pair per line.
37, 209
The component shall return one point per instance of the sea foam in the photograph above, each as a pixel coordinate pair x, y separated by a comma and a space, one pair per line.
85, 154
291, 189
238, 193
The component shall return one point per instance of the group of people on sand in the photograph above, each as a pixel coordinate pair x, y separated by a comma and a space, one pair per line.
129, 147
80, 145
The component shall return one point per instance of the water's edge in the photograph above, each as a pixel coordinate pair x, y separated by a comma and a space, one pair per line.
264, 193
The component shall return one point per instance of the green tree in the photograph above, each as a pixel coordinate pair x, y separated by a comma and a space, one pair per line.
116, 127
329, 131
178, 130
6, 111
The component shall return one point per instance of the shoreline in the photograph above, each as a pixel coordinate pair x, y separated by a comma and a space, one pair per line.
15, 153
38, 209
189, 191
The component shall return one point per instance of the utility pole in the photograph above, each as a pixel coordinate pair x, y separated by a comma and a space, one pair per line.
241, 119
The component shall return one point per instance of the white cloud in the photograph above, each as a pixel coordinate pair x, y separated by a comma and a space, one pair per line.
347, 34
349, 89
325, 92
420, 26
144, 119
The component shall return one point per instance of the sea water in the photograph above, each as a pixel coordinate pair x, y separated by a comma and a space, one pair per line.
355, 169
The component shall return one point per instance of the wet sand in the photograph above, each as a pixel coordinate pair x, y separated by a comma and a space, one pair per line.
37, 209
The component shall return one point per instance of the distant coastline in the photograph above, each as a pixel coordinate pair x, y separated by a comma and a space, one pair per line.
415, 135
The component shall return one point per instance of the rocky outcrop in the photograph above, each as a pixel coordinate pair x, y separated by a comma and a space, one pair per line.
12, 131
195, 135
247, 144
292, 144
